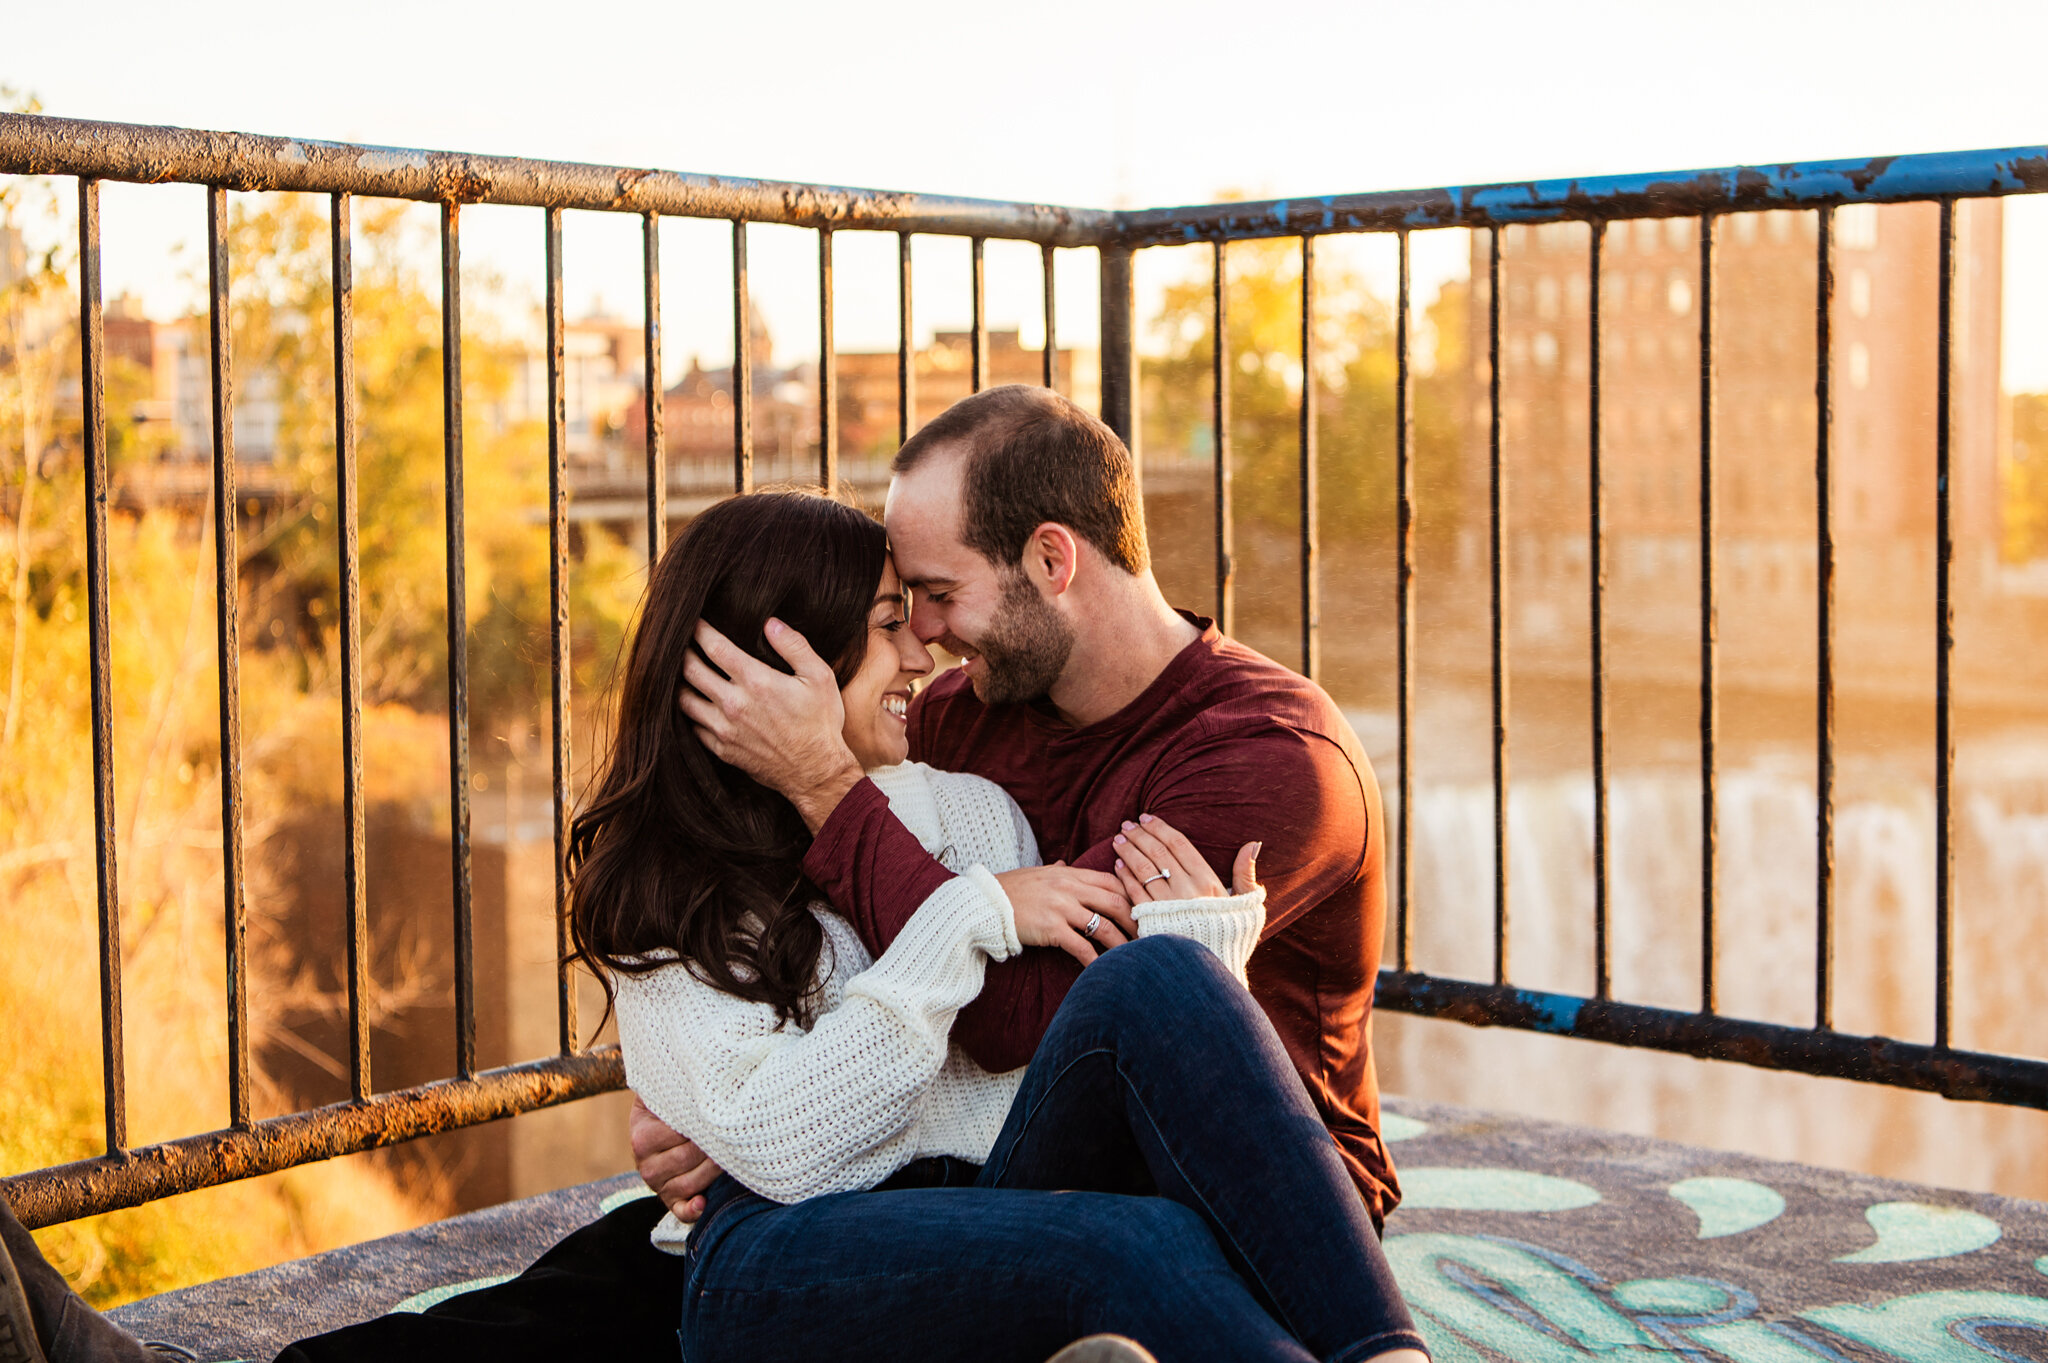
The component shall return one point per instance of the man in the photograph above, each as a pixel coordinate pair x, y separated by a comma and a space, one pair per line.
1015, 520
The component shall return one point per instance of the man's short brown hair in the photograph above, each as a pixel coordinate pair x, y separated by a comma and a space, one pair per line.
1031, 457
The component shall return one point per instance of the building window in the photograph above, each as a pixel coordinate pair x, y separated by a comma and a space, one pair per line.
1856, 227
1859, 292
1745, 228
1646, 234
1859, 365
1678, 233
1679, 295
1546, 298
1544, 347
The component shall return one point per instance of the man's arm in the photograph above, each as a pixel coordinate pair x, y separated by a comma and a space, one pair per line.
1298, 793
783, 729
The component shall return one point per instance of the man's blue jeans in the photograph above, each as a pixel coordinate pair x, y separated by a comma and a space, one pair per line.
1162, 1175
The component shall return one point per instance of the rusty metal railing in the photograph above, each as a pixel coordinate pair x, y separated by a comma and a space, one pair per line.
225, 162
1705, 196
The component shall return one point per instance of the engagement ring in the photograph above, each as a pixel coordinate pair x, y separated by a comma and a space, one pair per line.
1163, 875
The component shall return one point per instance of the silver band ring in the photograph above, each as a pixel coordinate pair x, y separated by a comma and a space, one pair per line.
1094, 922
1163, 875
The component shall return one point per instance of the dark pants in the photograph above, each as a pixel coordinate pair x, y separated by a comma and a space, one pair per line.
1205, 1213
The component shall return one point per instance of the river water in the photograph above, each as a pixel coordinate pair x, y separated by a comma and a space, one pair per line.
1885, 860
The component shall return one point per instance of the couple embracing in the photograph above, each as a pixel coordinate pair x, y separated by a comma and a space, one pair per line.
1017, 1007
965, 1040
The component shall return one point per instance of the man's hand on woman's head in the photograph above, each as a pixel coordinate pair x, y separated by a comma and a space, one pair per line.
1155, 861
1083, 913
787, 732
673, 1166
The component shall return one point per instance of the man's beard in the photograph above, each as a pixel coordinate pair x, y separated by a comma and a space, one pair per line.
1025, 647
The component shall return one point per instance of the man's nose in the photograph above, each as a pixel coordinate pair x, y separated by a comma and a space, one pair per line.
912, 654
927, 622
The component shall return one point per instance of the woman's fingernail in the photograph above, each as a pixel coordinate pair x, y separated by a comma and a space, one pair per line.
1257, 848
1144, 818
1119, 840
1119, 863
1128, 825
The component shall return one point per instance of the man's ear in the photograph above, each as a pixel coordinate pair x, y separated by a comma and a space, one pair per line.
1052, 557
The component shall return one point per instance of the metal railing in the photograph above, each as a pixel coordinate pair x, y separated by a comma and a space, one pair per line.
224, 162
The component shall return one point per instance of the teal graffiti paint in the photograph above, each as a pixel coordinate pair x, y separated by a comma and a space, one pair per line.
1674, 1296
1508, 1298
1728, 1206
434, 1296
1493, 1190
1908, 1231
1930, 1327
622, 1197
1752, 1341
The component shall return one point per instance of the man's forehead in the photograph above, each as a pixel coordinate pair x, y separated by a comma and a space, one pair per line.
923, 516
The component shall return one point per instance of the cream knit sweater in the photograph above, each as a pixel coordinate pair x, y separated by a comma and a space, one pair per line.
874, 1083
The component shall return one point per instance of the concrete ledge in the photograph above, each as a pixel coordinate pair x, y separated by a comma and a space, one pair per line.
1519, 1241
255, 1315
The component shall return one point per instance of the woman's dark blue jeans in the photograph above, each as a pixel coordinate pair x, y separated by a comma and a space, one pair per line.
1162, 1175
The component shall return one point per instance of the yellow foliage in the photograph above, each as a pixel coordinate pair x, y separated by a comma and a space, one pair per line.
165, 730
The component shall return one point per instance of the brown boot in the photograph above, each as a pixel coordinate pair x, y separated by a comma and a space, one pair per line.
1103, 1349
43, 1321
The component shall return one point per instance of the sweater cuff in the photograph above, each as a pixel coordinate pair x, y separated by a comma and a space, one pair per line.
1005, 946
1228, 925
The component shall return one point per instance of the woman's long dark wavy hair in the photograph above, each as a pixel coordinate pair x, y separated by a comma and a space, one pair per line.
675, 849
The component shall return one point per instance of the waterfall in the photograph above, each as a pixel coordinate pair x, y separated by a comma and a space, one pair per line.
1884, 954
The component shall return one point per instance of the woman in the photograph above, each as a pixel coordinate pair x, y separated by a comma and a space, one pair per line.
884, 1197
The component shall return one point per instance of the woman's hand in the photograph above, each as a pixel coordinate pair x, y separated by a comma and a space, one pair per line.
1156, 861
1083, 913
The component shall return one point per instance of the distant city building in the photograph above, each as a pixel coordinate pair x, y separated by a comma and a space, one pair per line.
697, 416
1883, 434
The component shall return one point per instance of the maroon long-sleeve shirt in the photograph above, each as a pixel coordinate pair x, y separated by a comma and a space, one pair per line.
1228, 747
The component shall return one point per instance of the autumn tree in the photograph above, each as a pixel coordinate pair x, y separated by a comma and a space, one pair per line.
282, 299
1355, 376
2026, 480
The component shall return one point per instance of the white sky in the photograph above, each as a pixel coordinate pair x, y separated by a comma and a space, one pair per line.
1095, 103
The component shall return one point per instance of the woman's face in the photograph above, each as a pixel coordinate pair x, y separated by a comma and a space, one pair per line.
878, 697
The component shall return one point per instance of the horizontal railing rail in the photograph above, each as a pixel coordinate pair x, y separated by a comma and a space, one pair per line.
39, 145
94, 152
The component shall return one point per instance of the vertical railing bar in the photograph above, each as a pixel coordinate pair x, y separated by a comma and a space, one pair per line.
828, 371
1219, 407
1118, 298
93, 397
742, 365
977, 340
906, 367
1596, 574
1945, 638
1404, 611
657, 472
1311, 584
1824, 642
1049, 360
558, 625
458, 640
1497, 513
227, 638
1710, 647
349, 590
